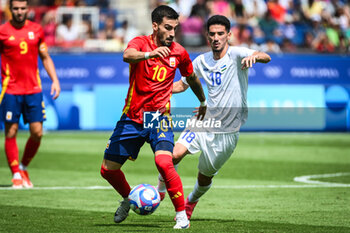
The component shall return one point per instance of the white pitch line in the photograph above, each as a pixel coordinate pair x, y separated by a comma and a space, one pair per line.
188, 187
302, 179
307, 179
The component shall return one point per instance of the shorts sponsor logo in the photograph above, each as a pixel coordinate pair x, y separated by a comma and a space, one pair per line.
9, 116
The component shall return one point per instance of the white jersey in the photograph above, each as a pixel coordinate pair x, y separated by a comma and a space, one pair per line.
227, 86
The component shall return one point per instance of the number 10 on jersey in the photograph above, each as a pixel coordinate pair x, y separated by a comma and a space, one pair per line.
159, 73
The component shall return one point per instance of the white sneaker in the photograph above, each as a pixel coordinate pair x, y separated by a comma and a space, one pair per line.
122, 212
181, 221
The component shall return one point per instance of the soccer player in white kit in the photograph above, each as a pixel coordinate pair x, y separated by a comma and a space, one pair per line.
225, 71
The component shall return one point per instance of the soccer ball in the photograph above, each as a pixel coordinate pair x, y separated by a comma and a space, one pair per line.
144, 199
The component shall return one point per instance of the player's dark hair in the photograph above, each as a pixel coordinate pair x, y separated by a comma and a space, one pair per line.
163, 11
219, 19
17, 1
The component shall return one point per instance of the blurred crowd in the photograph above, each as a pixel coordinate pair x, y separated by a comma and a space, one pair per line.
275, 26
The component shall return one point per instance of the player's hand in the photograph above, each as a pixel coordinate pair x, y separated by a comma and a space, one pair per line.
200, 112
162, 52
248, 62
55, 90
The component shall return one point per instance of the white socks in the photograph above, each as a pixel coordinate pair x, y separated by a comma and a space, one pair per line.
17, 176
181, 215
22, 167
161, 184
197, 192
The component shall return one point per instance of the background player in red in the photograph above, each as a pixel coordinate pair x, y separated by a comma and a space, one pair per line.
153, 61
21, 41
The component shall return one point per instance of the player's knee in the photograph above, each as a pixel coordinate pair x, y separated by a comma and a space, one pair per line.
106, 172
204, 180
110, 165
11, 130
179, 152
103, 172
164, 162
36, 136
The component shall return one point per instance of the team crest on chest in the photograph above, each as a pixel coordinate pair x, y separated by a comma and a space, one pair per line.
172, 61
31, 35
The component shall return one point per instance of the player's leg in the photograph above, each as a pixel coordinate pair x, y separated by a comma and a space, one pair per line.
34, 114
216, 150
162, 142
178, 153
11, 151
30, 150
186, 144
165, 166
202, 185
124, 143
111, 171
11, 106
33, 143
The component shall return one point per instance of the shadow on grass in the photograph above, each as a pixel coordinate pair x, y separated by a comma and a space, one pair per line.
35, 219
129, 225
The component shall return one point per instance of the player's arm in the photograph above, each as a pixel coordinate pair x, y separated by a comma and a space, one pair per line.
257, 56
179, 86
196, 87
132, 55
50, 68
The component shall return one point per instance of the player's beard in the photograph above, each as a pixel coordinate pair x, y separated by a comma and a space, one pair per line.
165, 42
218, 50
18, 20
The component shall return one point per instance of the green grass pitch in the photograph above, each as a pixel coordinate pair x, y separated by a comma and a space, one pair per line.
253, 192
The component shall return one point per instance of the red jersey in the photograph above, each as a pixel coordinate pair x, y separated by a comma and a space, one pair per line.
151, 80
19, 50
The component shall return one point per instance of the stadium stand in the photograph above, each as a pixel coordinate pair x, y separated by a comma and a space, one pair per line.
276, 26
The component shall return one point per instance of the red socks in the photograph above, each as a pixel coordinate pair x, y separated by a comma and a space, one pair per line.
117, 179
172, 180
11, 150
166, 168
30, 151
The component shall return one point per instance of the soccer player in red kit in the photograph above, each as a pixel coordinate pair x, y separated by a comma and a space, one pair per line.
21, 41
153, 61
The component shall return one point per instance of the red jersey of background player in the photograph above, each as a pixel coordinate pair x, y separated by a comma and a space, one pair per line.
19, 50
151, 80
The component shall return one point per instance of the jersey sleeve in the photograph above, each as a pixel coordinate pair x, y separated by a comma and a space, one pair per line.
196, 67
42, 44
241, 52
185, 66
136, 43
41, 35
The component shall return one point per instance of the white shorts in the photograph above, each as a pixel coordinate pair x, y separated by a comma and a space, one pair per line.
216, 149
